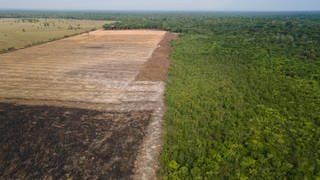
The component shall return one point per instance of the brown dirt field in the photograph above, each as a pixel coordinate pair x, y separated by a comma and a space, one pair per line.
95, 68
156, 68
79, 107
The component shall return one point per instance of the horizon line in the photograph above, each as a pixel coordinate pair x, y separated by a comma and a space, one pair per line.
154, 10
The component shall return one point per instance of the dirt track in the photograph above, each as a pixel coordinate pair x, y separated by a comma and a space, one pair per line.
78, 107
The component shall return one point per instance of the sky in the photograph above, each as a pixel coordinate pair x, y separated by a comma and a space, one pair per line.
149, 5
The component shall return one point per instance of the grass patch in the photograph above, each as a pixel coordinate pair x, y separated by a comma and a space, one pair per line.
17, 33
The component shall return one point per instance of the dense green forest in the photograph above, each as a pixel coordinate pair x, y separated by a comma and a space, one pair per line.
243, 93
243, 96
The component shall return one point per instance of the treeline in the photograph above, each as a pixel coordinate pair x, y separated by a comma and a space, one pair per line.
290, 35
243, 96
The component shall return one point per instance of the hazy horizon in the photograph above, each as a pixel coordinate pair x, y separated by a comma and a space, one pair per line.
164, 5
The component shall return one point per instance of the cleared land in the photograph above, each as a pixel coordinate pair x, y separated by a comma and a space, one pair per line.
74, 107
18, 33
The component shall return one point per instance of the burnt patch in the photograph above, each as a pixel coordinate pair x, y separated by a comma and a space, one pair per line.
42, 142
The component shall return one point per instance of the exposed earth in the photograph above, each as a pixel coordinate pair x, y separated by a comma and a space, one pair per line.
87, 107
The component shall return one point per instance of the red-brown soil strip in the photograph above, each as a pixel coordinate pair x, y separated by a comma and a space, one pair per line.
156, 68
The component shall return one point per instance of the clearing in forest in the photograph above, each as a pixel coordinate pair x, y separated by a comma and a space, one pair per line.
82, 107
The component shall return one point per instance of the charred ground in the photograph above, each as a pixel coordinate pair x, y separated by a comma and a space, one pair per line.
53, 142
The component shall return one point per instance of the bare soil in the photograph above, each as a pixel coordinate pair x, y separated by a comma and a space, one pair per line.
156, 68
95, 68
85, 107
